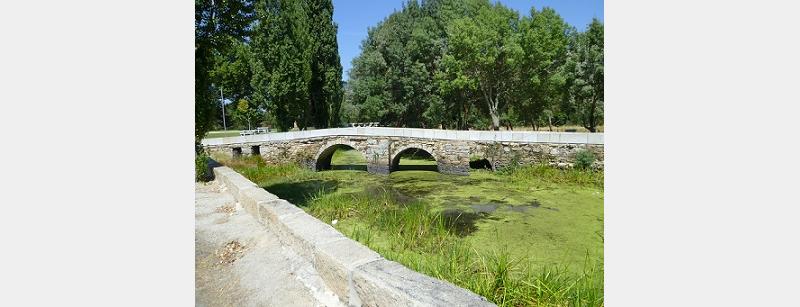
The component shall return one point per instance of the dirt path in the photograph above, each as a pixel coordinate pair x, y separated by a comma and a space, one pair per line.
238, 262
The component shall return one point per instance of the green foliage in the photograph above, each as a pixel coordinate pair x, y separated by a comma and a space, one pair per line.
584, 159
202, 172
468, 64
484, 55
295, 63
326, 92
281, 61
543, 37
584, 76
546, 173
246, 114
218, 26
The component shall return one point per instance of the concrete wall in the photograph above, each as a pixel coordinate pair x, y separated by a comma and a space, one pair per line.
452, 149
358, 275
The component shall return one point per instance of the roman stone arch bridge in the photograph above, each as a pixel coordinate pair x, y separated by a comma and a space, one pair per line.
382, 147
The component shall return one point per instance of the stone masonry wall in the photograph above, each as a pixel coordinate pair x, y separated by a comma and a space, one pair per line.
381, 153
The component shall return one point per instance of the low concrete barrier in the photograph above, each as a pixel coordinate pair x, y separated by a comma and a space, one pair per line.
358, 275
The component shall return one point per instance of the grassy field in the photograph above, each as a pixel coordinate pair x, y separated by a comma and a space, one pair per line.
222, 134
528, 237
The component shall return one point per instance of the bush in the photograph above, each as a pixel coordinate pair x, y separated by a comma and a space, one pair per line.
201, 170
584, 159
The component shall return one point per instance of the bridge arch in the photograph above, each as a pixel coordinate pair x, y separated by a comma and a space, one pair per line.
325, 153
398, 152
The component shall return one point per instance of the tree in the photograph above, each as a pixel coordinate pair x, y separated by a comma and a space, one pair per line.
245, 113
231, 71
584, 71
326, 70
217, 25
543, 38
281, 62
484, 55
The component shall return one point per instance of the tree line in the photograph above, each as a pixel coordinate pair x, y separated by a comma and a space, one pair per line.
473, 64
455, 64
277, 61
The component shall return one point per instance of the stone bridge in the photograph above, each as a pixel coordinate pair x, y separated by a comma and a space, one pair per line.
453, 150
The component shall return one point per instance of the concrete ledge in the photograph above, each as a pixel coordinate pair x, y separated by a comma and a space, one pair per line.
252, 196
388, 283
335, 261
356, 274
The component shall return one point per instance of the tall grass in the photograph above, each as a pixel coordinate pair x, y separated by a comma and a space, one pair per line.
549, 174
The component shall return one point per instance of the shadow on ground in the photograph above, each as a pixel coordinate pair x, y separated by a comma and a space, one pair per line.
432, 168
299, 193
351, 167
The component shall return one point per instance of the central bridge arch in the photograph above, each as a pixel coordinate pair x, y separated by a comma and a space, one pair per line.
416, 149
325, 154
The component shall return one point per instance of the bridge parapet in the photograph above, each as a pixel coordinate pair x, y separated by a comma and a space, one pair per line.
464, 135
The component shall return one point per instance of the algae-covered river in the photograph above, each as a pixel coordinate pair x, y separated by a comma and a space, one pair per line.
510, 226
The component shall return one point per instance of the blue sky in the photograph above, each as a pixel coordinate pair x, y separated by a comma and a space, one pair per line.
355, 16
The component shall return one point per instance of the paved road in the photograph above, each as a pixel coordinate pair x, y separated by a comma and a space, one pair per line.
238, 262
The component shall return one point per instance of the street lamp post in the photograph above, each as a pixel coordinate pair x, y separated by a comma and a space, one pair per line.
222, 102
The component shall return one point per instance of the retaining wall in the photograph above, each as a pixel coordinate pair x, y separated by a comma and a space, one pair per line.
358, 275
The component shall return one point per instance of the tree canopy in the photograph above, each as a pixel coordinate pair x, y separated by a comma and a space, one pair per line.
280, 56
476, 64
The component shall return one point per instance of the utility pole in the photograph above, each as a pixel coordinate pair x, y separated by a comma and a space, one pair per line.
222, 100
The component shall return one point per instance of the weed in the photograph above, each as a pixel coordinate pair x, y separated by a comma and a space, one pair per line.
584, 159
202, 172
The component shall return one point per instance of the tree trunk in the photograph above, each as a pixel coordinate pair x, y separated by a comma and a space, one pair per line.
495, 120
550, 122
592, 118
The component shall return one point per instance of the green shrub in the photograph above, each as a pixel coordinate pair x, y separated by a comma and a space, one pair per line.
584, 159
201, 170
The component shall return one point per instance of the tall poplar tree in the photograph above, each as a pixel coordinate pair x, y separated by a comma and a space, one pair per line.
281, 62
326, 68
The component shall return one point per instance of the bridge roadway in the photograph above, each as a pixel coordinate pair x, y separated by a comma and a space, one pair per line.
382, 147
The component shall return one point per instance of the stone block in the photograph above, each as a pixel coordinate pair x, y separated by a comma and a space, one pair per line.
237, 183
504, 136
251, 197
546, 137
306, 233
335, 261
487, 135
595, 138
417, 133
387, 283
573, 138
275, 211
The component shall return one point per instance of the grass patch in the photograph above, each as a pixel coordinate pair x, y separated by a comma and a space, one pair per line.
221, 134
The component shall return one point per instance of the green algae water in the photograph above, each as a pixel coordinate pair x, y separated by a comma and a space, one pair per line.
531, 236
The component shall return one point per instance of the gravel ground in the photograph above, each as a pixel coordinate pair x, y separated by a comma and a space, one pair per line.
238, 262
